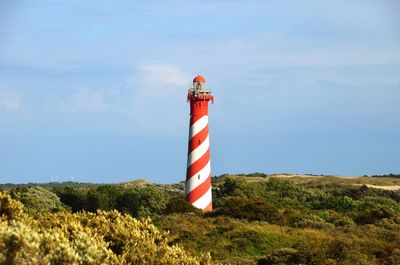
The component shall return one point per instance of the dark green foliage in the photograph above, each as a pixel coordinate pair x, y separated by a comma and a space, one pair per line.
178, 204
387, 176
339, 203
75, 198
137, 201
103, 198
50, 185
256, 208
346, 251
280, 256
97, 201
112, 192
143, 201
372, 216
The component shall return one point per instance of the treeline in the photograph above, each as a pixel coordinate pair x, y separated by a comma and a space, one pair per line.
387, 176
143, 201
9, 186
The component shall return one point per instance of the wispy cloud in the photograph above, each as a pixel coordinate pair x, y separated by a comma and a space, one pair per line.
158, 75
154, 97
158, 96
84, 100
9, 100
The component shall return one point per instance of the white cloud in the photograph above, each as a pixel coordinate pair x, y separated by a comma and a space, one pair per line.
159, 97
84, 100
9, 100
158, 75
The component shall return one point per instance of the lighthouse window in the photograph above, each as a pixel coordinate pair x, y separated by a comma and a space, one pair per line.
199, 141
198, 176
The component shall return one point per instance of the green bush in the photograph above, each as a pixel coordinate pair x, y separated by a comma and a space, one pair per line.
372, 216
143, 201
112, 192
96, 200
340, 204
178, 204
251, 209
37, 199
73, 197
238, 187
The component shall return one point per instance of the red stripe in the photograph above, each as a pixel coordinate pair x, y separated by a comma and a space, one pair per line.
198, 139
199, 191
194, 118
208, 208
198, 165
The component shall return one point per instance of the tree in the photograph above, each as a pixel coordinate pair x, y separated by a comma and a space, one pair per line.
75, 198
112, 192
37, 199
97, 201
143, 201
178, 204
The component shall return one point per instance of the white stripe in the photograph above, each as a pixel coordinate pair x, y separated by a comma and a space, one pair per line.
199, 125
198, 178
204, 200
197, 153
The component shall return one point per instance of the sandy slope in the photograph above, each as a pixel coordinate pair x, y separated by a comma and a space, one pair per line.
380, 187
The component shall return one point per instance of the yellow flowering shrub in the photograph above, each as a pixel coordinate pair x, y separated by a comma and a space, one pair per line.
10, 209
84, 238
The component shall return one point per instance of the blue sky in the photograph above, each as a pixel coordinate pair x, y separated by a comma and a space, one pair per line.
95, 91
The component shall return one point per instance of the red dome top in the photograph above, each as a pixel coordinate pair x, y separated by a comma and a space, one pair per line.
199, 79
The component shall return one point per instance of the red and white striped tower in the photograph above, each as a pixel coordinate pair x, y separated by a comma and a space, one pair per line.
198, 175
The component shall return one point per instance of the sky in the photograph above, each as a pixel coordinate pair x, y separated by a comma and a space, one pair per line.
95, 91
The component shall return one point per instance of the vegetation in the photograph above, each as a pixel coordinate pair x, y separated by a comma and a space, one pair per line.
84, 238
387, 176
257, 219
37, 199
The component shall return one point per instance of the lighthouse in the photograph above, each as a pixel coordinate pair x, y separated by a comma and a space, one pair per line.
198, 174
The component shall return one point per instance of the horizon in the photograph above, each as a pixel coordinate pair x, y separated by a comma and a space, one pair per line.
95, 91
268, 175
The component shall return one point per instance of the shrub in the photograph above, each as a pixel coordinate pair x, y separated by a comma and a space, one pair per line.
112, 192
344, 221
75, 198
178, 204
347, 252
340, 203
236, 187
96, 201
10, 209
312, 221
37, 199
250, 209
84, 238
371, 216
143, 201
279, 256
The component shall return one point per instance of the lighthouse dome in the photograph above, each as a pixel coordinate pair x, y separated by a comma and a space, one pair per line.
199, 79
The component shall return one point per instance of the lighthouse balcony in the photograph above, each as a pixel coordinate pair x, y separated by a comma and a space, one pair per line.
200, 95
